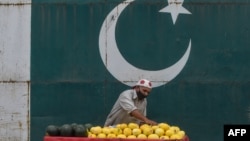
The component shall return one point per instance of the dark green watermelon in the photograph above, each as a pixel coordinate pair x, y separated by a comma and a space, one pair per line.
73, 125
80, 131
66, 130
88, 126
52, 130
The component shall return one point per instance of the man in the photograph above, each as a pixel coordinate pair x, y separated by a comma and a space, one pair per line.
131, 105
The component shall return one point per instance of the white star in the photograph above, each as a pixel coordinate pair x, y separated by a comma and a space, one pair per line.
175, 8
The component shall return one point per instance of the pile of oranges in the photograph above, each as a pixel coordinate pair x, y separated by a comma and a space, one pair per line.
135, 131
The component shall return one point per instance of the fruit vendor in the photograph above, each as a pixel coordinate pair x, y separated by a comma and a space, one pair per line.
131, 105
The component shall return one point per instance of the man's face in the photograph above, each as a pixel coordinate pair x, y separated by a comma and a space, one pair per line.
143, 92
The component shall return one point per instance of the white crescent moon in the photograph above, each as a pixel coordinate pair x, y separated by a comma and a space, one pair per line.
119, 67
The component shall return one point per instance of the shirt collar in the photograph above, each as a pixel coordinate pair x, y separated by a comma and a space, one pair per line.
134, 94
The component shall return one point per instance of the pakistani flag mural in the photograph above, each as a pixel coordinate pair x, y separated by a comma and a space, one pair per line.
84, 53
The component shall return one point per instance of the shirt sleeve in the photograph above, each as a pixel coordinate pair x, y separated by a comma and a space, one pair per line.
127, 102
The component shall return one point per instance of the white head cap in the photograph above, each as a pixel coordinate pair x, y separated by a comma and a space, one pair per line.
145, 83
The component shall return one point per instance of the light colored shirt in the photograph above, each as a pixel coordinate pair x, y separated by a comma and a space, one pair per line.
124, 105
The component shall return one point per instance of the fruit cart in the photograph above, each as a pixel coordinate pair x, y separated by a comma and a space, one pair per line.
120, 132
49, 138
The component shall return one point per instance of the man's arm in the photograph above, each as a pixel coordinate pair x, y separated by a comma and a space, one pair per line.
135, 113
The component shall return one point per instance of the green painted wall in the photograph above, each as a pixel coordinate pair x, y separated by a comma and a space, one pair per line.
70, 83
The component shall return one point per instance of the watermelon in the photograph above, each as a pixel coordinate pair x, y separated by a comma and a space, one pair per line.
52, 130
88, 126
80, 131
73, 125
66, 130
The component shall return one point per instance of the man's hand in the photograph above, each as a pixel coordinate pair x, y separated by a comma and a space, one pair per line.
150, 122
141, 117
